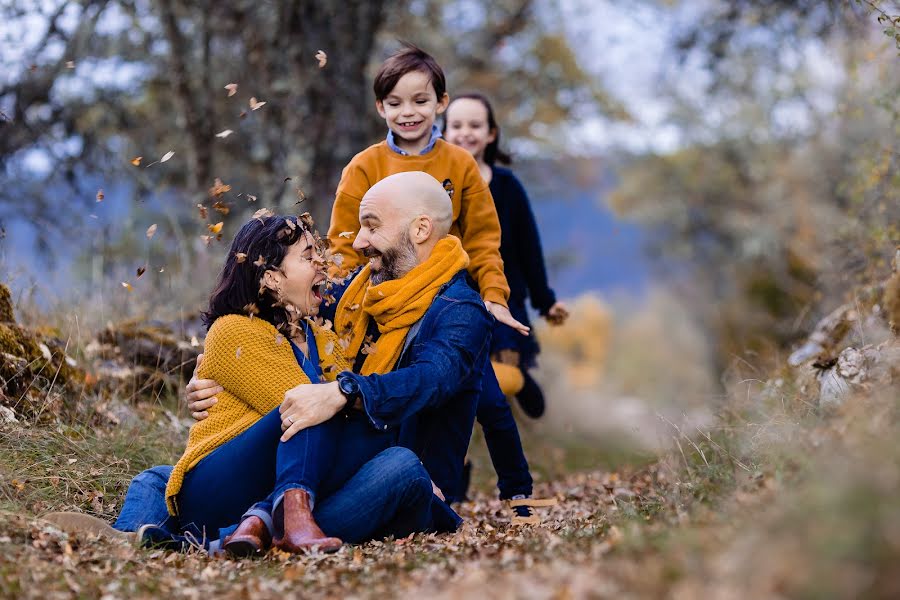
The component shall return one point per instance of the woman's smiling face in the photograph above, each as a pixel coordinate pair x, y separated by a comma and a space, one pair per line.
297, 281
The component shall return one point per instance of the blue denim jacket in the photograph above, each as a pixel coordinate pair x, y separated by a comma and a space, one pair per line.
440, 381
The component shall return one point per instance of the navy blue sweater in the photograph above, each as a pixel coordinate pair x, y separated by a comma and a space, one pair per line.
520, 243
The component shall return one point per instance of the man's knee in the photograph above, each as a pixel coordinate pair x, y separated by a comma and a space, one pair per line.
404, 468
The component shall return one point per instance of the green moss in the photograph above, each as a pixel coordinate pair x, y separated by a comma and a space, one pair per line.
6, 307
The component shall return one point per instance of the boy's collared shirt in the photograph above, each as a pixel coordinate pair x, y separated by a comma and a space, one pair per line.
435, 135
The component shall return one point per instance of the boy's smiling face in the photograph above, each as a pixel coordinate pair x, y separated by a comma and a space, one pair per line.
410, 110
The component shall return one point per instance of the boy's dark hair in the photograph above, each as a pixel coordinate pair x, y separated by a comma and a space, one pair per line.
407, 59
239, 290
492, 152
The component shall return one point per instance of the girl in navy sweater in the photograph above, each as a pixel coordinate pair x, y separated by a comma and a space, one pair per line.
469, 122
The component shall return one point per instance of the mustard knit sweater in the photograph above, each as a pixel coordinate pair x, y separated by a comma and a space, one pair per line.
256, 366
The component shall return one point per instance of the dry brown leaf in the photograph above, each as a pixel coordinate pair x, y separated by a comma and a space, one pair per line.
70, 64
141, 271
215, 229
136, 161
256, 104
260, 262
100, 195
127, 286
232, 89
240, 257
221, 207
251, 198
203, 212
262, 214
219, 188
151, 231
322, 58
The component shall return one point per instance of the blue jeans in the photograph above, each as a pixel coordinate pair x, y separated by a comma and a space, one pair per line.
145, 500
255, 467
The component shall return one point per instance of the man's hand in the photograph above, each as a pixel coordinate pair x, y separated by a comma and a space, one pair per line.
309, 404
201, 394
502, 314
557, 314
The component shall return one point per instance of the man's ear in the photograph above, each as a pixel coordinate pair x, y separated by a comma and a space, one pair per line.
421, 229
379, 106
443, 103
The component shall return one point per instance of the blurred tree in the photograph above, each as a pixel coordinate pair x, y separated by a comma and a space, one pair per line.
97, 83
785, 189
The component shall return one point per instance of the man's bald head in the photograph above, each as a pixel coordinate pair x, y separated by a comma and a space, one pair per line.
414, 193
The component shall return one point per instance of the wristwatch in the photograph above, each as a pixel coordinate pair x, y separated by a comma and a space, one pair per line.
349, 388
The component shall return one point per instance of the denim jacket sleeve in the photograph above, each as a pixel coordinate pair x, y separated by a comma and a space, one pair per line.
444, 358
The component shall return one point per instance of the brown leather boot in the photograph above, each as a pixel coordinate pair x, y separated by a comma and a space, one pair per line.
301, 532
252, 537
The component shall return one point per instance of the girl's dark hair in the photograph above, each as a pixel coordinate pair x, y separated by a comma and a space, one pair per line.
259, 246
492, 152
407, 59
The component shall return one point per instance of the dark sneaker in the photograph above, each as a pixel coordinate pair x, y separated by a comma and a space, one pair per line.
531, 398
154, 537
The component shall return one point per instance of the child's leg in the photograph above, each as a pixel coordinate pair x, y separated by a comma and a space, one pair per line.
502, 437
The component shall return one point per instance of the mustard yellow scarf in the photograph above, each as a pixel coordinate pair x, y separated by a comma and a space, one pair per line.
395, 305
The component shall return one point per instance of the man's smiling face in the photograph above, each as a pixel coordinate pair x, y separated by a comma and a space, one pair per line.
384, 239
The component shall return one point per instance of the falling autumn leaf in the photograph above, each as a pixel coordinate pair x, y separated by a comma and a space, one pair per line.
151, 231
243, 114
322, 58
251, 198
136, 161
240, 256
345, 234
203, 211
215, 228
221, 207
256, 104
232, 89
262, 214
167, 156
70, 64
224, 134
219, 188
260, 262
141, 271
194, 341
127, 286
100, 195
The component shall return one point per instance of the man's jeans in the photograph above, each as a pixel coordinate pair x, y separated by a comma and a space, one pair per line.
145, 500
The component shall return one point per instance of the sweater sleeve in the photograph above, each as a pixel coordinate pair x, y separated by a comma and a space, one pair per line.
251, 361
528, 242
345, 214
479, 230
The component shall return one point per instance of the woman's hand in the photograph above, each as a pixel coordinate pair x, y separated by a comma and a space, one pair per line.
502, 314
201, 394
557, 314
309, 404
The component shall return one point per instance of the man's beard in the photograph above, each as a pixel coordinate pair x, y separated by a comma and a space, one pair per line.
396, 261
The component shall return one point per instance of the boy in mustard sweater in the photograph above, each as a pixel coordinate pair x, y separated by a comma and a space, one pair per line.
410, 91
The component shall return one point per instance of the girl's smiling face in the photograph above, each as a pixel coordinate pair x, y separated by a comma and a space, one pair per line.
467, 126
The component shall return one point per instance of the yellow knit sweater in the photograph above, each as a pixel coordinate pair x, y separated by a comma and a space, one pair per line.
475, 220
256, 366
